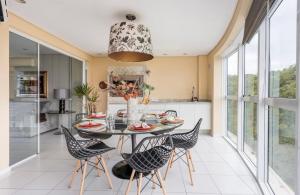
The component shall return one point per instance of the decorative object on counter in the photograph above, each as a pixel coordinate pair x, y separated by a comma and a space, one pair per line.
194, 98
91, 97
62, 95
129, 41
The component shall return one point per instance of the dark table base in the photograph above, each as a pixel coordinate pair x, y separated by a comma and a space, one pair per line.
123, 171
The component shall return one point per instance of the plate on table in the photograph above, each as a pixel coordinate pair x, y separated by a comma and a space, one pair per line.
89, 124
173, 121
141, 127
97, 116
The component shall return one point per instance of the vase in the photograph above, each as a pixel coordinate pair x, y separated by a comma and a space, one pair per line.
132, 111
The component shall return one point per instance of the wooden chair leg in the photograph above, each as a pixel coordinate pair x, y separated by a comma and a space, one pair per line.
75, 171
161, 182
119, 141
97, 166
106, 172
130, 182
122, 143
140, 184
192, 163
169, 165
172, 159
153, 179
83, 177
190, 168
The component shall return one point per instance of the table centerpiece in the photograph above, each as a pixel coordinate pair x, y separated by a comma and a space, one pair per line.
129, 91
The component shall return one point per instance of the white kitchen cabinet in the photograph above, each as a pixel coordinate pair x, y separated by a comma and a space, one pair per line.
191, 112
203, 111
187, 113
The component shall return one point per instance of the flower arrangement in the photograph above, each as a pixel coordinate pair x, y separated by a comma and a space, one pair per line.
127, 90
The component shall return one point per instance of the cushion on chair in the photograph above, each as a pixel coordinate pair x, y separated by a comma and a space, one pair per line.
99, 145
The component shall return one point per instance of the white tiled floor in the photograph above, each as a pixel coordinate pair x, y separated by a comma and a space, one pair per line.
219, 170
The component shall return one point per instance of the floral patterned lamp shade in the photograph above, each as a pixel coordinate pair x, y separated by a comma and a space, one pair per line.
130, 42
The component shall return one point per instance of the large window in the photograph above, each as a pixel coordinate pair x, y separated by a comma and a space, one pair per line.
282, 84
261, 101
232, 92
250, 104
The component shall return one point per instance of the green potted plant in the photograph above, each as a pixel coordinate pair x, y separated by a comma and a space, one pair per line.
91, 96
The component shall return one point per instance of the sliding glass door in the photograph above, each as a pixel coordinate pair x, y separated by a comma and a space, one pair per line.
23, 103
232, 96
250, 99
35, 71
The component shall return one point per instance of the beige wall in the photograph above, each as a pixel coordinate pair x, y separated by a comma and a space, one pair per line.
203, 77
172, 77
4, 96
215, 63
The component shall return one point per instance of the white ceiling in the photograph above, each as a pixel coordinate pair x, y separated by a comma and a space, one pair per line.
178, 27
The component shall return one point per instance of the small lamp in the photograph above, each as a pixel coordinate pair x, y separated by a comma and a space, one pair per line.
61, 95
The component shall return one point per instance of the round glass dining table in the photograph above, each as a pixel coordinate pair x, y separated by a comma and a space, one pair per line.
122, 169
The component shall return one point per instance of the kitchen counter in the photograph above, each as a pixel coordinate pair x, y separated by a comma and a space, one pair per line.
189, 111
165, 101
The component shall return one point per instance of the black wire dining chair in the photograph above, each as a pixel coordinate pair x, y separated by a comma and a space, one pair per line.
83, 151
183, 142
171, 113
149, 155
168, 113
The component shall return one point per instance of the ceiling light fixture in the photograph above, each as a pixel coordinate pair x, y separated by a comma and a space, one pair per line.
129, 41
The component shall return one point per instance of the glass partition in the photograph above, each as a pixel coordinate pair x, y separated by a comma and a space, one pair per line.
35, 72
24, 96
